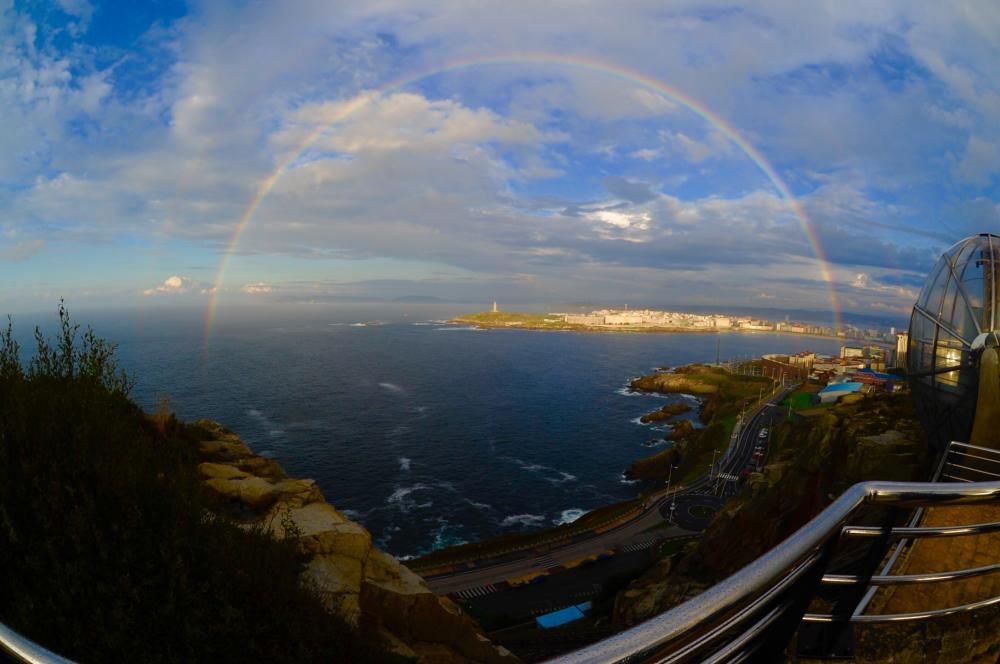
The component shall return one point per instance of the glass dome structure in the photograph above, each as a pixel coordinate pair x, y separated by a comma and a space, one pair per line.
954, 318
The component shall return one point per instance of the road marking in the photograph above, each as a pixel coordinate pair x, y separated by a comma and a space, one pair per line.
478, 591
642, 544
546, 562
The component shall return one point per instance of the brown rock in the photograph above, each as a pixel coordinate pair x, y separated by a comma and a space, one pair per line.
369, 589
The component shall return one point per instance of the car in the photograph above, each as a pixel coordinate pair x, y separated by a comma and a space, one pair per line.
762, 434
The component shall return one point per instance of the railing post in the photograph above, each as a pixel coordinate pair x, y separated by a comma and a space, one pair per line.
836, 639
774, 642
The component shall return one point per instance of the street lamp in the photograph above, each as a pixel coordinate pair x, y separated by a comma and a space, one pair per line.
673, 498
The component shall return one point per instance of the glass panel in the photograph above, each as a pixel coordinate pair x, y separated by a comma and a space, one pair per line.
936, 295
968, 248
948, 308
948, 357
935, 271
962, 320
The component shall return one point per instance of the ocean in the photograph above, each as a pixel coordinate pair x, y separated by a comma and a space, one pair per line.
429, 434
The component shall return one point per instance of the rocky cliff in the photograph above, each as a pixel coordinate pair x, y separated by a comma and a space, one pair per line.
811, 462
371, 590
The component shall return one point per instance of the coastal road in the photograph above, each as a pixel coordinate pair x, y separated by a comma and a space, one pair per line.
697, 501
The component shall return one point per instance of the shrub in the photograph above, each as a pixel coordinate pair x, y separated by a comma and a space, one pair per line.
106, 550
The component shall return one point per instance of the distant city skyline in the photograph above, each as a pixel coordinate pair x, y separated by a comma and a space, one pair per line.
783, 155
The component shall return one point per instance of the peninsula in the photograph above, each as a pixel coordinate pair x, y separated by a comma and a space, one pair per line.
655, 320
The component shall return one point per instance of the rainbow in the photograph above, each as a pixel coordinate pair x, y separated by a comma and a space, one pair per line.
362, 100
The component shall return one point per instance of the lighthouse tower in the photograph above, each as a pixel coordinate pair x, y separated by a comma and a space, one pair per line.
495, 309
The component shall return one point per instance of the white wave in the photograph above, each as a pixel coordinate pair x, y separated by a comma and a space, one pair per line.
482, 506
441, 540
353, 515
448, 486
568, 516
267, 454
404, 464
625, 480
276, 433
627, 391
359, 324
522, 520
392, 387
638, 420
456, 328
548, 473
401, 500
655, 442
253, 412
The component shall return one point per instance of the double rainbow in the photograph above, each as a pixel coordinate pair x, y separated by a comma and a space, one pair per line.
363, 100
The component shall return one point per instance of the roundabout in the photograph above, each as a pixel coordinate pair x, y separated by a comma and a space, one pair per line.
692, 511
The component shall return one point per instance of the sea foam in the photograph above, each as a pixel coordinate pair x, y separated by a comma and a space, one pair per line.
522, 520
568, 516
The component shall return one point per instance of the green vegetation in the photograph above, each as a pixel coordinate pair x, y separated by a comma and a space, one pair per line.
515, 319
803, 398
107, 552
712, 441
811, 462
726, 395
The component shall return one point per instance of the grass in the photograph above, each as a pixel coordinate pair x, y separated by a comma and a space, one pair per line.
712, 441
516, 319
106, 553
800, 400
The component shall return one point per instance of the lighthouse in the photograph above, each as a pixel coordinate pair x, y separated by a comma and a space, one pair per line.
495, 307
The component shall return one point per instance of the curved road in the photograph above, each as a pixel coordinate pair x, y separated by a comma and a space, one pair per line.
700, 494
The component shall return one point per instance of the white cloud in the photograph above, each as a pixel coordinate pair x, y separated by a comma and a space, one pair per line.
714, 144
401, 121
623, 220
258, 288
177, 285
980, 161
436, 172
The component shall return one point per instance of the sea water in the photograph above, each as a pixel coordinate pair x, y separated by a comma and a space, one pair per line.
429, 434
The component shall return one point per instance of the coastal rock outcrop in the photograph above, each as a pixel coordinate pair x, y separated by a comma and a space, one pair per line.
672, 382
811, 462
665, 413
370, 589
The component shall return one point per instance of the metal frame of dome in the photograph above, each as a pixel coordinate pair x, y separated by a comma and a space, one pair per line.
954, 318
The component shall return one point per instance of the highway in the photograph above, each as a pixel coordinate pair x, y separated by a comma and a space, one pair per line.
693, 507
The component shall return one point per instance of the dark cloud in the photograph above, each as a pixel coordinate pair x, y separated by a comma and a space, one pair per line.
633, 191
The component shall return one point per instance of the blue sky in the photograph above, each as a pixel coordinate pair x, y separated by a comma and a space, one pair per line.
133, 136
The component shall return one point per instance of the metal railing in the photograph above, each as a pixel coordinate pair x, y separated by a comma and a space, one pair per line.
753, 614
21, 649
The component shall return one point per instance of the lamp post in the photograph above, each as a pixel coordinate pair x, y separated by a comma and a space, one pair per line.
673, 498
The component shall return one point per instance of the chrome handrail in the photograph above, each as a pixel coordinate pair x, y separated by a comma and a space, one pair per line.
25, 650
701, 614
